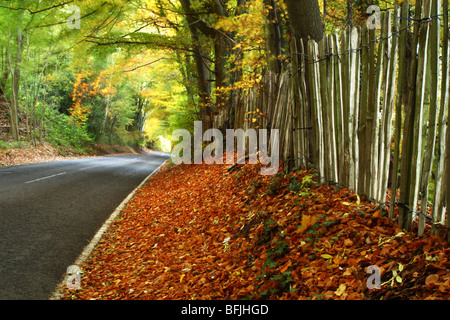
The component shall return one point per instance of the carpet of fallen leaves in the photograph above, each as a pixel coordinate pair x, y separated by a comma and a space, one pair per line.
203, 232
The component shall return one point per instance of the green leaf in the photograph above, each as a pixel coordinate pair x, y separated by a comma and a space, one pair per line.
326, 256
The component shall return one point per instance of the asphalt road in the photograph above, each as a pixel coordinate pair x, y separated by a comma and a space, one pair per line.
49, 212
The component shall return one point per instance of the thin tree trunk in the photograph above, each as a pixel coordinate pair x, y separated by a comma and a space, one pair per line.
15, 82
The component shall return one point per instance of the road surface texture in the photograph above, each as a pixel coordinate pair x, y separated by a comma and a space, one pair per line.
50, 211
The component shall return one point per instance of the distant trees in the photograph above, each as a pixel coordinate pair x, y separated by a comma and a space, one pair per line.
42, 65
217, 48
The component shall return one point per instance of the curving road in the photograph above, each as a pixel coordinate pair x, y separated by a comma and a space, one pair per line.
50, 211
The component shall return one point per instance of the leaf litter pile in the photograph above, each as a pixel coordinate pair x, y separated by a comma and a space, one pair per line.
207, 232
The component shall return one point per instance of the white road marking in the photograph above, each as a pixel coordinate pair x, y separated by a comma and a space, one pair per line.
52, 176
88, 167
103, 165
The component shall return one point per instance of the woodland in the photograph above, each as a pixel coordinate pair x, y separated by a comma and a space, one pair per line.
77, 74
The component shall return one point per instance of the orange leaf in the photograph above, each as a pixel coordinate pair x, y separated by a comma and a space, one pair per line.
286, 266
307, 221
348, 242
431, 279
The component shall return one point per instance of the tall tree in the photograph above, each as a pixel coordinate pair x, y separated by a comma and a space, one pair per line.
305, 19
273, 36
306, 24
196, 25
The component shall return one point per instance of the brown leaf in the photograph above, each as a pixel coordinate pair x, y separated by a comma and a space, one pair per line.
348, 243
431, 279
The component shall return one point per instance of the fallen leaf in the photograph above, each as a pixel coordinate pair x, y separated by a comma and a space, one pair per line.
340, 290
326, 256
307, 221
431, 279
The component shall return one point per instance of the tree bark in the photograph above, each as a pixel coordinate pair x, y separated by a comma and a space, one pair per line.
306, 23
15, 82
204, 87
305, 19
273, 36
4, 73
222, 48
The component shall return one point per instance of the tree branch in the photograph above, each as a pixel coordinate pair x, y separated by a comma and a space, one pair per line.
37, 11
144, 65
65, 21
193, 19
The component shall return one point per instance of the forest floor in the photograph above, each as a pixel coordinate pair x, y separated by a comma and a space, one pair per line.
205, 232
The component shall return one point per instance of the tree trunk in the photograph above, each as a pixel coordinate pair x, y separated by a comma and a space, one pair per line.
222, 49
204, 87
4, 73
305, 19
15, 82
306, 23
273, 36
235, 76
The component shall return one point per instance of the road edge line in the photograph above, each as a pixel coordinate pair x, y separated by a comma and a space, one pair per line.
56, 295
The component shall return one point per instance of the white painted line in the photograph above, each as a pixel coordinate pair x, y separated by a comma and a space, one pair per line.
113, 163
98, 165
88, 168
44, 178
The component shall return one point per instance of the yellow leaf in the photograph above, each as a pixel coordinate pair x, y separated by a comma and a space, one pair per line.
340, 290
326, 256
182, 276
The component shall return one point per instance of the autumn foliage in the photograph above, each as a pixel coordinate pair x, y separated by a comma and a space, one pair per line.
205, 232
